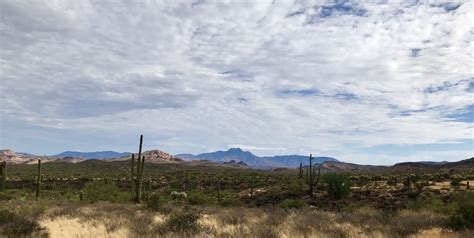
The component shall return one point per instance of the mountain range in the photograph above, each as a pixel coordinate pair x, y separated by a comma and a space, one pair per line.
235, 158
237, 154
92, 155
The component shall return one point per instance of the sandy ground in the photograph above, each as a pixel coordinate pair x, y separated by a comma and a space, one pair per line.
67, 227
64, 227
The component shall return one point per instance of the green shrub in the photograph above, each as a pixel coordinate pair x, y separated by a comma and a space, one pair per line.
199, 198
292, 203
431, 203
186, 222
294, 189
463, 218
455, 180
155, 201
103, 190
338, 185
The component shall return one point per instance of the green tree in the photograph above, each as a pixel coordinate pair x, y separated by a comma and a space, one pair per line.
338, 185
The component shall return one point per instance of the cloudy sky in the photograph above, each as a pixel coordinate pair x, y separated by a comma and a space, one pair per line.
372, 82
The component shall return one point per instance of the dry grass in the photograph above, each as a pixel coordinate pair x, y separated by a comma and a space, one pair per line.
127, 220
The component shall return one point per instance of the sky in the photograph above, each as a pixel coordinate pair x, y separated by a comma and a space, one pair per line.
371, 82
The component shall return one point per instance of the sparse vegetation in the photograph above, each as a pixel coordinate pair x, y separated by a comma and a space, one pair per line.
235, 202
103, 190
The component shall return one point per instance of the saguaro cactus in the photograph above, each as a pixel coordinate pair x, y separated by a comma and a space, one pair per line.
311, 188
408, 182
137, 177
3, 173
300, 175
141, 162
39, 180
132, 174
312, 179
307, 174
140, 181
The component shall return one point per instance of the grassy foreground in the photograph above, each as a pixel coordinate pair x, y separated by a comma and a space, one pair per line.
105, 219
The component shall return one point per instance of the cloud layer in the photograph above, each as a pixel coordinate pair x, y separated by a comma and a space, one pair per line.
337, 79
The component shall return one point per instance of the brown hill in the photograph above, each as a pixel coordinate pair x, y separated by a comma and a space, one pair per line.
153, 156
16, 158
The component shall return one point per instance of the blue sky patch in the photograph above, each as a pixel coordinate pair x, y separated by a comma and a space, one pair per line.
464, 115
470, 88
415, 52
242, 99
448, 85
412, 149
341, 8
448, 6
235, 74
299, 92
346, 96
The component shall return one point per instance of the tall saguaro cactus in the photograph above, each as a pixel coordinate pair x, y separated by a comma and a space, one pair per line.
312, 179
132, 174
3, 173
39, 180
137, 177
311, 188
140, 181
141, 162
300, 175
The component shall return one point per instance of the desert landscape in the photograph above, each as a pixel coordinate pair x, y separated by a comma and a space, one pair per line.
237, 119
78, 197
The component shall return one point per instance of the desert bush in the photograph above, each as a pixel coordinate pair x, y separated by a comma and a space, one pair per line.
154, 201
14, 225
463, 217
292, 203
199, 198
338, 185
186, 222
455, 180
429, 202
294, 189
392, 181
103, 190
422, 184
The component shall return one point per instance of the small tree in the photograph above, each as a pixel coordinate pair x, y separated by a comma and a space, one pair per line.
338, 185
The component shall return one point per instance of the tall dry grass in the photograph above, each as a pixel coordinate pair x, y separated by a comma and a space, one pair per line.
127, 220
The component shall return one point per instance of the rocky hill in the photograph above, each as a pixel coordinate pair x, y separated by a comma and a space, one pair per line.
153, 156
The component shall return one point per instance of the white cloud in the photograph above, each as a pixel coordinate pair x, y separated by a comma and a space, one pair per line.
196, 77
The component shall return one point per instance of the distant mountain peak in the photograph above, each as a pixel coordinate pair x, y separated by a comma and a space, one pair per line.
236, 149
